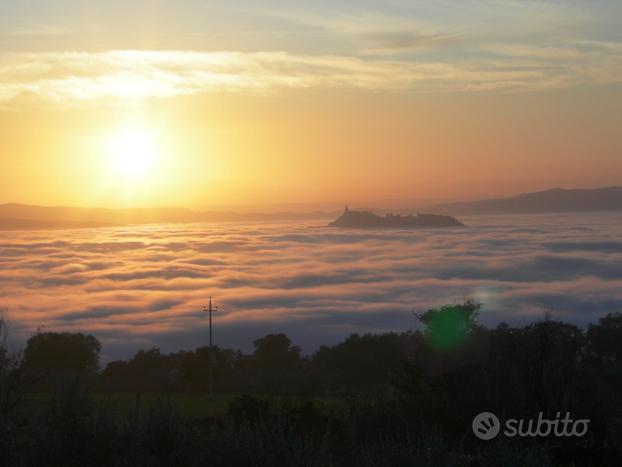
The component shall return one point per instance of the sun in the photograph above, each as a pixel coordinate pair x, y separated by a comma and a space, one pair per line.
133, 152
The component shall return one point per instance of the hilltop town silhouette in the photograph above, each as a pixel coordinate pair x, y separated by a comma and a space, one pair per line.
367, 219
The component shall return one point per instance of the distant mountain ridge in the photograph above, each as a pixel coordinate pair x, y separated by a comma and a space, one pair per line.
22, 216
554, 200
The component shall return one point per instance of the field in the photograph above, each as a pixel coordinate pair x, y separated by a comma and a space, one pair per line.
197, 406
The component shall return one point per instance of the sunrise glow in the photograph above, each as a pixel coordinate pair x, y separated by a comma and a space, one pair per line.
313, 106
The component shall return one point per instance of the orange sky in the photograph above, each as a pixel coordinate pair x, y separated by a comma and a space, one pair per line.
400, 100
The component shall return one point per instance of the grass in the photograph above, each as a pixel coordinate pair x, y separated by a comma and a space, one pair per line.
194, 406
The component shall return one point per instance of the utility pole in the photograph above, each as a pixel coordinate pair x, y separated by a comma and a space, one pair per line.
211, 351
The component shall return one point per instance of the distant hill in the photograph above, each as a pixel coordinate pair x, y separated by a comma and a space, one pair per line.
30, 224
22, 216
366, 219
555, 200
69, 215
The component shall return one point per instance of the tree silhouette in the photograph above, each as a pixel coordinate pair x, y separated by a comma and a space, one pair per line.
59, 355
605, 338
449, 326
275, 363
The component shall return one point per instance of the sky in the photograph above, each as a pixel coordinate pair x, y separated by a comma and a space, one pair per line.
230, 103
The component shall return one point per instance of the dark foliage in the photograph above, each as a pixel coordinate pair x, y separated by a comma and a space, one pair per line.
54, 357
407, 398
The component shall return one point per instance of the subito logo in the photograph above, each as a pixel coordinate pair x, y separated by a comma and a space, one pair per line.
486, 426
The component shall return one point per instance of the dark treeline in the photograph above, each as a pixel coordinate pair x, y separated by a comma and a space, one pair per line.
407, 394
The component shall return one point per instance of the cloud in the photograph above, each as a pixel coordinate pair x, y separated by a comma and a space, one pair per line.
395, 45
316, 284
81, 76
395, 41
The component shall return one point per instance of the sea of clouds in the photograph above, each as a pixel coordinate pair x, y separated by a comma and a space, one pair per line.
140, 287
